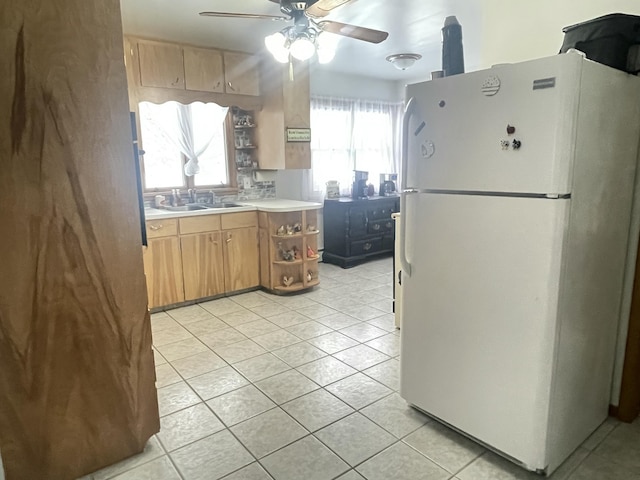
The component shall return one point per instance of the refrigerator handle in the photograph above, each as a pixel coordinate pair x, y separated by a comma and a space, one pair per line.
404, 157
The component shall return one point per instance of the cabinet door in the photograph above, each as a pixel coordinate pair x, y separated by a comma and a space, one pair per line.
202, 265
241, 73
203, 69
161, 65
241, 263
163, 269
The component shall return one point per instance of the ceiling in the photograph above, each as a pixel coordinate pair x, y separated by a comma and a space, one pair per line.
414, 26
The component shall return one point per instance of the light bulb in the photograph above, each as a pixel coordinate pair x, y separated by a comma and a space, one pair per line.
275, 45
325, 55
302, 48
327, 44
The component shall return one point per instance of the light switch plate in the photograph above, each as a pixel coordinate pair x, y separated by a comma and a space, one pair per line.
246, 182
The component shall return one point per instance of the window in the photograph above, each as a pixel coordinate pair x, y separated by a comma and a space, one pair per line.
185, 145
350, 134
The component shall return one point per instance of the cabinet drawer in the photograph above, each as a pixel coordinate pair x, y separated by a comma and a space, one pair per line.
363, 247
162, 228
204, 223
239, 220
380, 226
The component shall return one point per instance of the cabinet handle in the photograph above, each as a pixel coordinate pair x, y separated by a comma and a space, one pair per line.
389, 224
155, 227
231, 86
376, 226
177, 81
367, 246
217, 85
228, 237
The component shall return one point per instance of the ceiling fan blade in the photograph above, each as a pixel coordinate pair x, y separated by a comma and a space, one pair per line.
359, 33
322, 8
242, 15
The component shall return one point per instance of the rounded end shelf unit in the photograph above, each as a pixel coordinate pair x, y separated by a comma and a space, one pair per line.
289, 250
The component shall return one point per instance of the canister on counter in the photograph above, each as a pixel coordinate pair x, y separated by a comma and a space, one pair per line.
333, 189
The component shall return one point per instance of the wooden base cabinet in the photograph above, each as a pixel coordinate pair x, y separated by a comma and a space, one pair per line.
202, 265
196, 257
289, 250
241, 270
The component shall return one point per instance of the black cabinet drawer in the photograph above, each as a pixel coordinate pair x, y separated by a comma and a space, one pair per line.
363, 247
380, 226
357, 222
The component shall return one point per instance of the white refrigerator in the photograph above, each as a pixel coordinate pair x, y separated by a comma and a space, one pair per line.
517, 194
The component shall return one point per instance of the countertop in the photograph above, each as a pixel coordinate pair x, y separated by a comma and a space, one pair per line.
269, 205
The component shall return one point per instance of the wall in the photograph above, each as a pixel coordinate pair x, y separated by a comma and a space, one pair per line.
337, 84
519, 30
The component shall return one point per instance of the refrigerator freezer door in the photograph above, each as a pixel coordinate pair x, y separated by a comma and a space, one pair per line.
479, 315
507, 129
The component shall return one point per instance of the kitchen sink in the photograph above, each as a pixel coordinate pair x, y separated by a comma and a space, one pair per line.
201, 206
225, 205
187, 207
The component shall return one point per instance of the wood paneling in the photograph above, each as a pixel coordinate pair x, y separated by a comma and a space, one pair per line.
629, 405
202, 265
241, 264
203, 69
76, 367
239, 220
163, 269
199, 224
286, 104
161, 65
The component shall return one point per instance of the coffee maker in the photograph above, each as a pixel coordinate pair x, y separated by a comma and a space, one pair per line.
388, 184
359, 189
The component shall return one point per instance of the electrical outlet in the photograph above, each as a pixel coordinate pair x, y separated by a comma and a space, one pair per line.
246, 182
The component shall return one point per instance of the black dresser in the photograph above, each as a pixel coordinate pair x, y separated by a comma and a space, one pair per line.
355, 230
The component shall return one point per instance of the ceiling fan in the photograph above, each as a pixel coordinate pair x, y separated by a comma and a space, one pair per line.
304, 38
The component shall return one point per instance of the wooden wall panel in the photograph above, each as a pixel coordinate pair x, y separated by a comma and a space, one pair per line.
76, 368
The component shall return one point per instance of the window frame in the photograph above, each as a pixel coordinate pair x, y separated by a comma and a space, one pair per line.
229, 188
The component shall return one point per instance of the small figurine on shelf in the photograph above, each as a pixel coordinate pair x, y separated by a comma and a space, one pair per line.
296, 253
311, 228
297, 228
309, 276
281, 230
289, 230
310, 252
287, 280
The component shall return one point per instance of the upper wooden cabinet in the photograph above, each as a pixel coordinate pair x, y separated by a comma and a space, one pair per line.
203, 69
183, 67
241, 73
160, 65
286, 104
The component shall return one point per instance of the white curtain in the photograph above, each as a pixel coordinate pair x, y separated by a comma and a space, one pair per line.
192, 138
192, 145
352, 134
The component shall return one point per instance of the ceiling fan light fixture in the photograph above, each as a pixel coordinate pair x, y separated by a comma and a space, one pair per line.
302, 48
276, 44
402, 61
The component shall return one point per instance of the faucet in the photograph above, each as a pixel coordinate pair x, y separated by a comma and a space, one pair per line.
213, 197
192, 195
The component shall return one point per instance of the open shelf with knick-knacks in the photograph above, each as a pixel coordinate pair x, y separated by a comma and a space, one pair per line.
244, 138
289, 250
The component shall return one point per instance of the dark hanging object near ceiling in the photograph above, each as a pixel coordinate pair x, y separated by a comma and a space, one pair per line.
452, 55
612, 40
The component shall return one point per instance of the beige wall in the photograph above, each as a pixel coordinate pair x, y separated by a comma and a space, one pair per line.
518, 30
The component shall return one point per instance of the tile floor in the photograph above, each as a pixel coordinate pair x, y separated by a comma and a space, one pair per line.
304, 387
